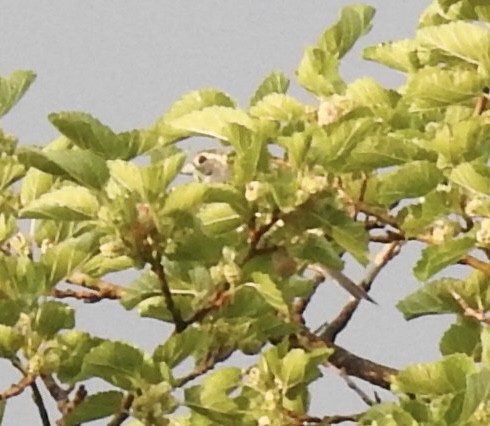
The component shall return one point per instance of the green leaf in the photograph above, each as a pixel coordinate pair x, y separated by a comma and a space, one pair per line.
67, 203
211, 399
278, 107
476, 396
318, 72
74, 346
437, 378
218, 218
185, 197
463, 337
399, 55
88, 133
83, 167
64, 258
433, 87
149, 182
368, 92
179, 346
270, 292
10, 341
34, 184
316, 249
275, 82
436, 297
346, 232
436, 257
9, 310
354, 22
115, 362
293, 368
8, 227
95, 406
332, 145
485, 343
472, 176
10, 171
410, 180
12, 88
212, 121
192, 101
52, 316
462, 40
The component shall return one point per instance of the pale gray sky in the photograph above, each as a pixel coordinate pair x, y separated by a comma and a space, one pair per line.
126, 62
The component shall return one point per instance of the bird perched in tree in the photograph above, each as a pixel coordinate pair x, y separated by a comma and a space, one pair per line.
209, 166
216, 166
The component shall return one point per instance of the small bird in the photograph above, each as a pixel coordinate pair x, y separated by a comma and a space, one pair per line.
209, 166
215, 166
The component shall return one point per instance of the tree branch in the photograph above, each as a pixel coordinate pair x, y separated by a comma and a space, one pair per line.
38, 400
157, 268
103, 289
340, 322
17, 388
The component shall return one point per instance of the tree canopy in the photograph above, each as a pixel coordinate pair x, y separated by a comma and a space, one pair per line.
232, 255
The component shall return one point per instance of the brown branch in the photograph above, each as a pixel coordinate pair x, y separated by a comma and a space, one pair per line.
331, 331
157, 268
481, 102
352, 385
475, 263
304, 419
353, 365
86, 296
468, 311
205, 365
120, 417
38, 400
19, 387
104, 289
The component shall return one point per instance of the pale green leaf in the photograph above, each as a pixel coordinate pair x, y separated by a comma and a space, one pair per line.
13, 87
472, 176
65, 257
293, 368
34, 184
95, 406
212, 121
318, 72
66, 203
278, 107
316, 249
434, 87
400, 55
275, 82
270, 292
463, 337
367, 92
437, 378
10, 171
115, 362
355, 21
463, 40
84, 167
52, 316
185, 197
437, 257
410, 180
476, 396
217, 218
11, 341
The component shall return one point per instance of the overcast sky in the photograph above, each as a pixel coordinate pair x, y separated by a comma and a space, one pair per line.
127, 62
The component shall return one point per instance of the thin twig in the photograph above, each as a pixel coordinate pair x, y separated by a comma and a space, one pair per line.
477, 264
352, 385
157, 268
38, 400
120, 417
468, 311
339, 323
17, 388
104, 289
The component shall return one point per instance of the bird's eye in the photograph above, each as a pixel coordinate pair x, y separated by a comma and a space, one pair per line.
201, 159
